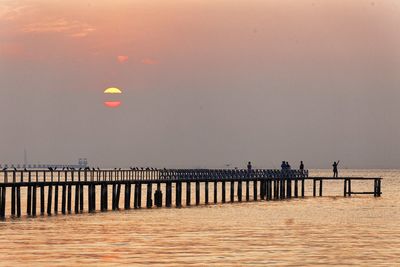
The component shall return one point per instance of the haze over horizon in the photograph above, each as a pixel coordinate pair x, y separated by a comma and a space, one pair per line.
204, 83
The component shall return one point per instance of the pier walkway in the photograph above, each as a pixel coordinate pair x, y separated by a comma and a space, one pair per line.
66, 189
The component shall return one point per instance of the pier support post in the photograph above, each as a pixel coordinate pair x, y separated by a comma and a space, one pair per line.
77, 187
178, 196
114, 197
379, 187
215, 192
34, 192
104, 197
289, 187
232, 191
247, 190
255, 191
13, 200
296, 188
206, 192
282, 188
149, 202
28, 200
63, 198
262, 191
302, 187
349, 194
320, 187
314, 187
188, 194
55, 199
18, 201
158, 196
197, 193
127, 198
3, 199
49, 199
168, 194
42, 200
118, 196
69, 204
239, 191
81, 201
223, 197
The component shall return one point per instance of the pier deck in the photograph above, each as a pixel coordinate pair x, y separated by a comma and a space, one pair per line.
67, 187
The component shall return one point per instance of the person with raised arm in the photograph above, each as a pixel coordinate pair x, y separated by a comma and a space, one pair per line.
335, 168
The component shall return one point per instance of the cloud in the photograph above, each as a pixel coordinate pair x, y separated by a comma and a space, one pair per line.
122, 59
13, 11
73, 28
149, 61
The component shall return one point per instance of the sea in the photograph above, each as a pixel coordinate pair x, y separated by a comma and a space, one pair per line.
315, 231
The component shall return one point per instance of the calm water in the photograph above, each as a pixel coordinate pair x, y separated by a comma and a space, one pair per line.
360, 230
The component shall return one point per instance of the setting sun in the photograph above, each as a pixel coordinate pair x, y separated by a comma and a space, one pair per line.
112, 90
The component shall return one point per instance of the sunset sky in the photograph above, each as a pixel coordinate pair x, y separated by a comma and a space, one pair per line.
204, 83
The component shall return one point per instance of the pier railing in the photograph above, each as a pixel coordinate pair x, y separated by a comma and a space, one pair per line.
148, 174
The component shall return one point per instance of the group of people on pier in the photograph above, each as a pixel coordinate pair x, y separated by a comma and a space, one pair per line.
286, 166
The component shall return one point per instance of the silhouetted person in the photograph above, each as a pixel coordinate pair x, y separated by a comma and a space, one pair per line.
335, 168
283, 165
249, 167
301, 166
288, 166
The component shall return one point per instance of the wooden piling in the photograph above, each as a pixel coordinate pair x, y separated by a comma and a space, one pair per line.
262, 191
69, 202
55, 199
94, 198
320, 187
314, 188
239, 191
197, 193
63, 198
118, 196
188, 194
127, 197
77, 187
168, 194
149, 202
18, 201
34, 190
49, 199
232, 190
42, 200
296, 188
288, 187
13, 200
114, 197
349, 194
28, 200
247, 190
81, 201
223, 197
302, 187
178, 196
206, 192
255, 191
2, 201
215, 192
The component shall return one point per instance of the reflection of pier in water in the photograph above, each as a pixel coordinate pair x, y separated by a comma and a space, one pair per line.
99, 184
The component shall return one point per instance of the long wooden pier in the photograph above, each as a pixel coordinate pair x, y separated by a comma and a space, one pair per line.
66, 189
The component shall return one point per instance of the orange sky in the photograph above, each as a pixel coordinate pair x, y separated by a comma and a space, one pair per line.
324, 60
